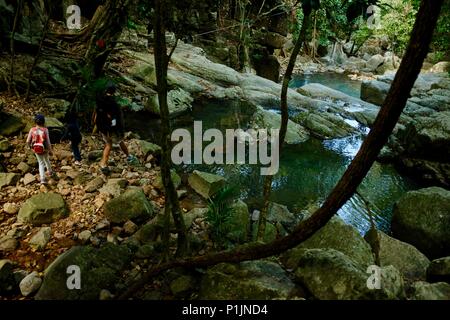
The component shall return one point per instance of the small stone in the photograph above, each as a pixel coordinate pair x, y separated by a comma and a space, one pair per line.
95, 241
30, 284
4, 145
41, 238
130, 227
181, 193
154, 193
116, 231
65, 192
29, 178
105, 295
102, 225
111, 238
94, 185
11, 208
84, 236
23, 167
73, 174
8, 244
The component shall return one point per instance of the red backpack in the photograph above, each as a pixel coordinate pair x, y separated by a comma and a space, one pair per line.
38, 138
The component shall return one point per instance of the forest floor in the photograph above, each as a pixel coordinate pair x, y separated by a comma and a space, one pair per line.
86, 208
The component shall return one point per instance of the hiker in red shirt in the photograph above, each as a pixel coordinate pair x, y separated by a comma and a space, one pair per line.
39, 141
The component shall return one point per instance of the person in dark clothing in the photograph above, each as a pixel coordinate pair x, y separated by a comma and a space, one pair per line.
108, 118
72, 133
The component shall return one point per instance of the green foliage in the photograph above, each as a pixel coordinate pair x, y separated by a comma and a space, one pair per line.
219, 214
397, 20
362, 34
441, 38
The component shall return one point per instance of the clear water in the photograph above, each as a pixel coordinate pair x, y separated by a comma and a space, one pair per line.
337, 81
308, 172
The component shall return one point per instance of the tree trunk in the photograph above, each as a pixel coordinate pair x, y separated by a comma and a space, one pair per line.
161, 65
103, 32
12, 83
267, 189
385, 122
36, 57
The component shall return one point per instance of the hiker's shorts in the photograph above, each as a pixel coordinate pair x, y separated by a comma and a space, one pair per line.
112, 137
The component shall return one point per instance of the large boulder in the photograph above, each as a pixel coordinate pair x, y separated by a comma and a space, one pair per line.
331, 275
431, 291
8, 179
375, 62
326, 125
337, 235
205, 184
254, 280
99, 269
403, 256
443, 66
11, 125
179, 102
131, 205
43, 208
422, 218
264, 119
6, 277
374, 91
428, 137
439, 270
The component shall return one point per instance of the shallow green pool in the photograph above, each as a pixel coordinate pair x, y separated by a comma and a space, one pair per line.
307, 173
